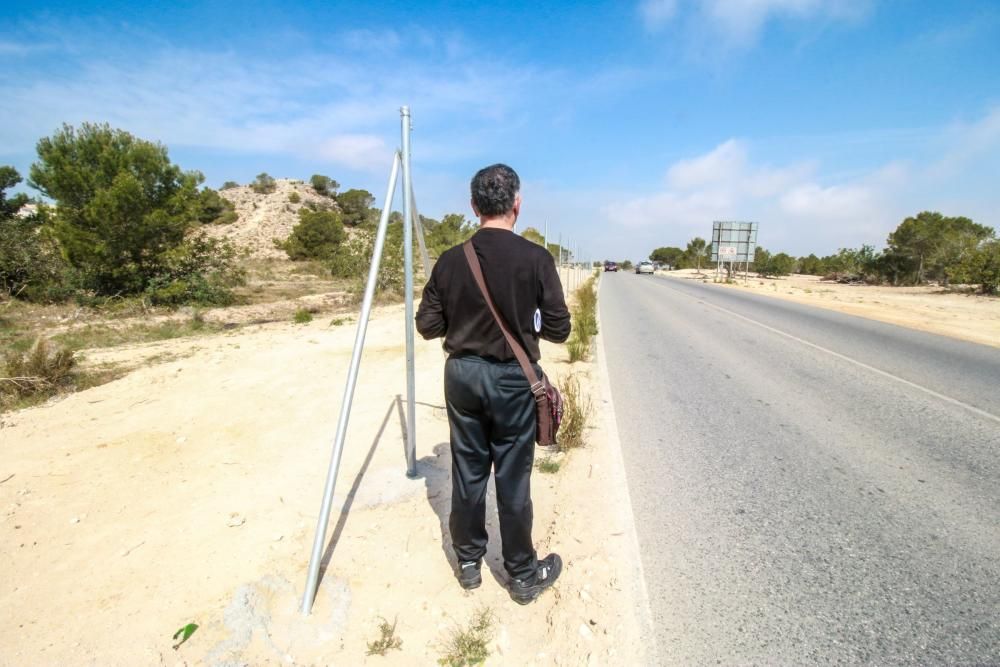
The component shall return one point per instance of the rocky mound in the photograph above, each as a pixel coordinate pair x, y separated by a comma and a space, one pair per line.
262, 218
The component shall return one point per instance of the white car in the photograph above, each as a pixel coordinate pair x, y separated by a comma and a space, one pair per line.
644, 267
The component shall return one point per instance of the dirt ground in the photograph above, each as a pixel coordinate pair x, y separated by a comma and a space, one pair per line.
188, 491
971, 317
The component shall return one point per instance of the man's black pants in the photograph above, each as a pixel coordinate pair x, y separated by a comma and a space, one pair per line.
492, 416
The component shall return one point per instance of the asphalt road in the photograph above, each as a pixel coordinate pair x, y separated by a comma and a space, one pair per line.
808, 487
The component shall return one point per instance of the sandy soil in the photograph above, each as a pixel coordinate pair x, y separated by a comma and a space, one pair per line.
188, 492
262, 218
971, 317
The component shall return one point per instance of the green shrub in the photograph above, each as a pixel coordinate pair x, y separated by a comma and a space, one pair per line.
201, 271
982, 267
356, 207
294, 198
121, 205
324, 185
318, 235
214, 208
228, 185
303, 316
352, 259
31, 267
263, 184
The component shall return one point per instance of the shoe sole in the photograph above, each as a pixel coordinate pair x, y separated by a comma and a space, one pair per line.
471, 584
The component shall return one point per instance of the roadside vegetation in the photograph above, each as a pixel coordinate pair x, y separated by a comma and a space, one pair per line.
387, 639
114, 251
583, 310
576, 414
468, 646
926, 248
577, 406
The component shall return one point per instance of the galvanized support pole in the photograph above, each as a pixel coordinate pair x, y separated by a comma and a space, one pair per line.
345, 406
411, 384
418, 229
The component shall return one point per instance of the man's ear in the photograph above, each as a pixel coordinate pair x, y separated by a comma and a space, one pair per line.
475, 210
517, 205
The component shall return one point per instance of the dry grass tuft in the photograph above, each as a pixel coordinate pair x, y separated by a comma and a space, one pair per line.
576, 413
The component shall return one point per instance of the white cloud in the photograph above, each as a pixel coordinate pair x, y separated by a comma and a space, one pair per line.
365, 152
796, 210
721, 164
655, 13
740, 21
964, 142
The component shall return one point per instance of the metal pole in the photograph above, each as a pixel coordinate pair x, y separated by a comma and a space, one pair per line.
418, 228
579, 278
411, 383
345, 407
546, 234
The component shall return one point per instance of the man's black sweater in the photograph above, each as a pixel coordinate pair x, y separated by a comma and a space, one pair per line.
521, 277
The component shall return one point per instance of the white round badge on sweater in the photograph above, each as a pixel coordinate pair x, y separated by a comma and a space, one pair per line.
538, 321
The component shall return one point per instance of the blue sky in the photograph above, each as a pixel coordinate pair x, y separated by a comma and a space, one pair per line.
633, 124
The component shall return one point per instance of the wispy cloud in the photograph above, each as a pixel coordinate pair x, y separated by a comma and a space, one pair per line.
656, 13
331, 106
739, 22
789, 201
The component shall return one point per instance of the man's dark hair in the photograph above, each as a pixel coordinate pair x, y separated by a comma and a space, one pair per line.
494, 189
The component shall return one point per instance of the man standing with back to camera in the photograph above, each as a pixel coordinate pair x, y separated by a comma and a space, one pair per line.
491, 410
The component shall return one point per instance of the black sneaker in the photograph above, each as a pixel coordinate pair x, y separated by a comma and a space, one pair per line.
523, 591
468, 574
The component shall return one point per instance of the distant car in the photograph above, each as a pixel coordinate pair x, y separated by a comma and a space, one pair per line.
610, 266
644, 267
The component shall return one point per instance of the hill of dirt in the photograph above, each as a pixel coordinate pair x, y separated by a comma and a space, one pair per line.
262, 218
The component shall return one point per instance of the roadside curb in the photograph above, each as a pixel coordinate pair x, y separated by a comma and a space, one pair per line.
644, 611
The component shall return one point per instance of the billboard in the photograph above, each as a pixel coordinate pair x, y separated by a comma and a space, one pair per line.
733, 241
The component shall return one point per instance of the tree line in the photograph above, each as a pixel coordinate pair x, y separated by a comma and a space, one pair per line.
926, 247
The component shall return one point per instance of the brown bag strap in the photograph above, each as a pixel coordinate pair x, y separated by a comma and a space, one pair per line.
537, 386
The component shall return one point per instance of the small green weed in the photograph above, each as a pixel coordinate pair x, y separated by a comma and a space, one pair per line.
469, 646
547, 466
184, 634
303, 316
387, 639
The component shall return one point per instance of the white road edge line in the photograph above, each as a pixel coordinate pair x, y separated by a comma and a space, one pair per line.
861, 364
639, 587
